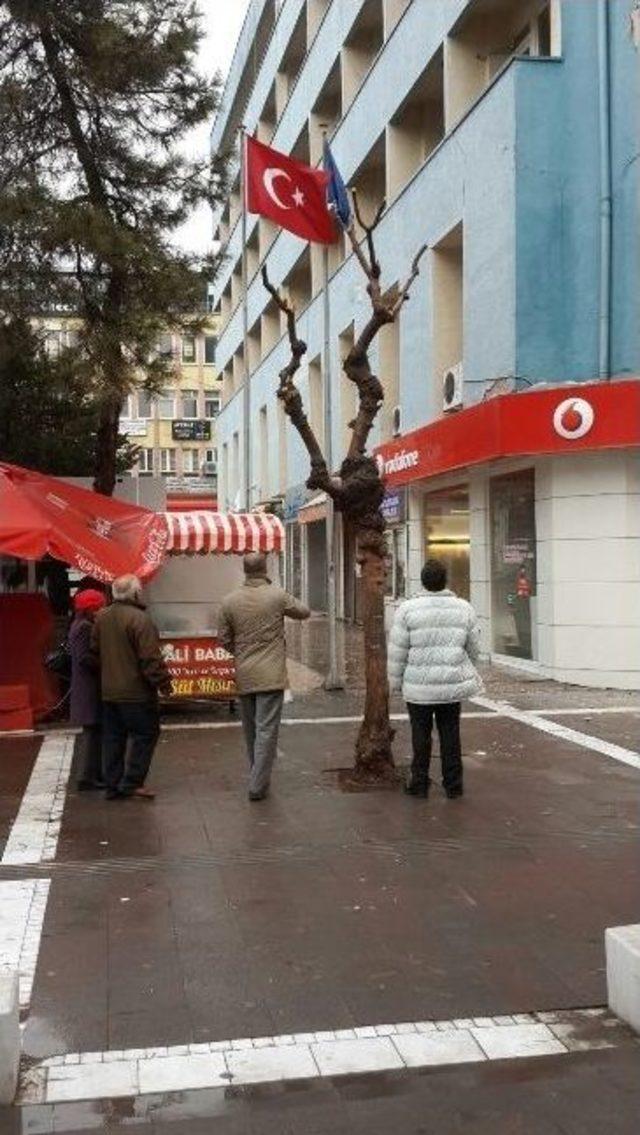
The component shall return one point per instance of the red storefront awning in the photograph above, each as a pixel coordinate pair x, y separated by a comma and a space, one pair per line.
99, 536
238, 532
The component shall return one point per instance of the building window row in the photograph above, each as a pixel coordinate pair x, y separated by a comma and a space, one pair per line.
171, 404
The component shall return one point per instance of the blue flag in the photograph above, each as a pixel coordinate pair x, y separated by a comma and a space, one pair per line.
337, 195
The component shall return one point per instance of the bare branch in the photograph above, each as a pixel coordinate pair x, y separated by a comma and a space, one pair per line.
403, 294
292, 400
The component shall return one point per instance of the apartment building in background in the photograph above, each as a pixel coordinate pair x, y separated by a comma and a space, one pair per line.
174, 431
503, 134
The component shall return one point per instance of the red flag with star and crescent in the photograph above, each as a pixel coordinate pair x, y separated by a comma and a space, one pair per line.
288, 192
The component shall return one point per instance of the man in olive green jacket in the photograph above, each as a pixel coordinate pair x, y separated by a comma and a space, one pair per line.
125, 642
251, 628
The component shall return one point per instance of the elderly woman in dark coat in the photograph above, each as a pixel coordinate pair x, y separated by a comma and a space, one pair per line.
85, 688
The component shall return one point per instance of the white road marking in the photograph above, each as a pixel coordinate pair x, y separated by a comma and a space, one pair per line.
251, 1060
22, 907
34, 835
168, 727
562, 732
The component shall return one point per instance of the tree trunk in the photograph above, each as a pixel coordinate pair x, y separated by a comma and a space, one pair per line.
106, 448
373, 757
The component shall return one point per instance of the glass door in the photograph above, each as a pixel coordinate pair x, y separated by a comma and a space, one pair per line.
446, 527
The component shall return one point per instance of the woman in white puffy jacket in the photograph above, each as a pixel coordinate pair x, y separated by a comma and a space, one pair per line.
433, 645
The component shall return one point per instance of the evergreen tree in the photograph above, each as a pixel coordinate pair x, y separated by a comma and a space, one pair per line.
96, 97
49, 417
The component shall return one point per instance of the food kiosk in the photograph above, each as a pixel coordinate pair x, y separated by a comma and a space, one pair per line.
203, 563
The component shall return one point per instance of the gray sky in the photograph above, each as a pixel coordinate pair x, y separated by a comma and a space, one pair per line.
222, 20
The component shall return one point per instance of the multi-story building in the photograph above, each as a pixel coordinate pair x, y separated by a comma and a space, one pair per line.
176, 431
504, 135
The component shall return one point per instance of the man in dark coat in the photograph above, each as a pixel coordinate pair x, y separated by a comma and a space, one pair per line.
133, 672
85, 689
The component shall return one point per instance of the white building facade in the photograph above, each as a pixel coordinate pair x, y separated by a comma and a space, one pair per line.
501, 134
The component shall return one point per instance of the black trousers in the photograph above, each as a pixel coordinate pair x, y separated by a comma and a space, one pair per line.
133, 723
90, 752
447, 717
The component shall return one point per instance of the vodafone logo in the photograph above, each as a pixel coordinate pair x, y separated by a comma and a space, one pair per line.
573, 418
405, 459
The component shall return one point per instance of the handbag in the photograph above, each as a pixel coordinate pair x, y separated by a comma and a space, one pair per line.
58, 661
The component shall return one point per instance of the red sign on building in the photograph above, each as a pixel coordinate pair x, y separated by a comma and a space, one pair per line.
199, 668
602, 415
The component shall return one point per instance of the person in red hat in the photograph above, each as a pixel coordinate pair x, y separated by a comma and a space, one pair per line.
85, 707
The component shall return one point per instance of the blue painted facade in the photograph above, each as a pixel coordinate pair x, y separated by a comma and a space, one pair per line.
520, 171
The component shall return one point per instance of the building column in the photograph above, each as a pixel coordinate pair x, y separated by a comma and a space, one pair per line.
480, 555
415, 542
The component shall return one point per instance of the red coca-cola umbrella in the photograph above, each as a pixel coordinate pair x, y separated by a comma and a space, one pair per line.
102, 537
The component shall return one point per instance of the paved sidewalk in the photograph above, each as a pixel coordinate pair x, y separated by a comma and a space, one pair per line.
200, 918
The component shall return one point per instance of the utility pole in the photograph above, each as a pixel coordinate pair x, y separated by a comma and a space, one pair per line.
333, 680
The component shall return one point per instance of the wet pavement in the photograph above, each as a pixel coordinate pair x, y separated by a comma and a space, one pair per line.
15, 770
201, 917
590, 1094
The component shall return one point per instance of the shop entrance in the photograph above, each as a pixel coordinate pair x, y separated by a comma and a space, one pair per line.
446, 527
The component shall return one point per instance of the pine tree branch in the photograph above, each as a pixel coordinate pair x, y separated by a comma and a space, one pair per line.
291, 398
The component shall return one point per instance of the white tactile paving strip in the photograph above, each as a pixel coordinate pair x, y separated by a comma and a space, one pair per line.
372, 1048
22, 908
34, 834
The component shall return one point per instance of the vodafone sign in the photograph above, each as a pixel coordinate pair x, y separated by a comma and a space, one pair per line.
573, 418
606, 415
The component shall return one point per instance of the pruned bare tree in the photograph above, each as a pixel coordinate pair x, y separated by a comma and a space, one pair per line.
357, 488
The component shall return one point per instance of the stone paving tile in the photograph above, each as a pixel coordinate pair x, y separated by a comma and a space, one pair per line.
457, 1046
350, 1056
289, 1062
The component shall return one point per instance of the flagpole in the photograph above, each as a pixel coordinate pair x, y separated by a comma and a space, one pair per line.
333, 680
246, 397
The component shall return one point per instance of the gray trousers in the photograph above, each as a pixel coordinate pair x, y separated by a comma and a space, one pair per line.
261, 721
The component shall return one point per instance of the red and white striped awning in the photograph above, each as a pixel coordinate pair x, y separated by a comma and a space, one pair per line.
211, 532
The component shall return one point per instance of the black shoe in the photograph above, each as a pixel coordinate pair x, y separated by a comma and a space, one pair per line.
454, 793
255, 796
416, 789
90, 785
114, 794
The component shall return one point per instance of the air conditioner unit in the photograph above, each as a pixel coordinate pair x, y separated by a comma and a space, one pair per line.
452, 388
396, 421
210, 468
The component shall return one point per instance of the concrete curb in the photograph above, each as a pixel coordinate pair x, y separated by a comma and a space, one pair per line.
622, 948
9, 1036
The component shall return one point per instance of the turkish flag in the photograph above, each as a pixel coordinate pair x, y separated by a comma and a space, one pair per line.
289, 193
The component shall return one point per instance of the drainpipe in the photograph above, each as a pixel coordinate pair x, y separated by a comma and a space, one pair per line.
604, 136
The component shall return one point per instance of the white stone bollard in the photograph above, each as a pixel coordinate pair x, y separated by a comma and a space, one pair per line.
9, 1036
622, 948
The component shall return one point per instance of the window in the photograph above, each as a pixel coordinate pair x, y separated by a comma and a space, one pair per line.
210, 343
54, 343
144, 404
513, 564
167, 460
188, 349
211, 405
211, 456
190, 461
189, 400
166, 404
164, 346
145, 461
